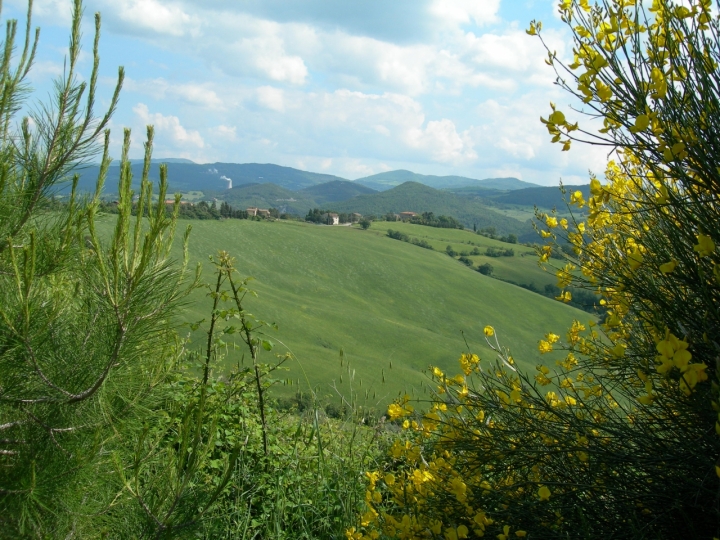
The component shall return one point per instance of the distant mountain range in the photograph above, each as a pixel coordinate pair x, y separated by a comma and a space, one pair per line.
472, 201
386, 180
185, 175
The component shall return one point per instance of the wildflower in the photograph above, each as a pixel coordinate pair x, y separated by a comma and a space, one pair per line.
544, 347
552, 338
544, 493
551, 222
705, 245
576, 198
668, 267
459, 489
489, 331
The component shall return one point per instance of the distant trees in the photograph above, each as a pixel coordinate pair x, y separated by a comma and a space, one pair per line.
444, 222
485, 269
316, 215
365, 224
201, 210
397, 235
499, 252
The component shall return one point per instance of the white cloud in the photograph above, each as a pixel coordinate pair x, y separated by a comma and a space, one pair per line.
169, 126
479, 12
193, 93
442, 140
157, 16
228, 133
244, 45
271, 98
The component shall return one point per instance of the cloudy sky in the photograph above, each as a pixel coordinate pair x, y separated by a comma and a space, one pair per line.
337, 86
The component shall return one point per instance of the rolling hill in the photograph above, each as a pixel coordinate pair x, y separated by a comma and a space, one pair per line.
268, 196
416, 197
336, 190
389, 179
544, 197
392, 307
190, 176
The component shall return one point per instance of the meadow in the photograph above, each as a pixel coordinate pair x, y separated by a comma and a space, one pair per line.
391, 307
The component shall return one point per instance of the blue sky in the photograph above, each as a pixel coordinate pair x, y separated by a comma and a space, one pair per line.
342, 87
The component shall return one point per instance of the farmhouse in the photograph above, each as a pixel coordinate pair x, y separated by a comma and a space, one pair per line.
407, 215
255, 211
334, 218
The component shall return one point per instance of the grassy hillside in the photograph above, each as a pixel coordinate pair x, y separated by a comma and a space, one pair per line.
415, 197
382, 301
522, 268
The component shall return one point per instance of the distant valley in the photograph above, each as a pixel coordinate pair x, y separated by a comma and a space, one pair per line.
502, 203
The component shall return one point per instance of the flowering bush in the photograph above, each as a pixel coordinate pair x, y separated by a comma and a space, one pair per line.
615, 435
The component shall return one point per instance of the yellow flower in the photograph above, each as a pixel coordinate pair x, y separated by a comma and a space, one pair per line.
668, 267
489, 331
544, 493
551, 222
458, 487
462, 531
635, 259
544, 347
394, 411
390, 479
577, 199
705, 245
552, 338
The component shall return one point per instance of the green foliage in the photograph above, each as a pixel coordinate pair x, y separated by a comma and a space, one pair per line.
485, 269
496, 252
87, 330
443, 222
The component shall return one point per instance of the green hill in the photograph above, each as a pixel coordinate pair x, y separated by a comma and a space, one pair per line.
268, 196
415, 197
390, 179
337, 190
185, 175
544, 197
385, 303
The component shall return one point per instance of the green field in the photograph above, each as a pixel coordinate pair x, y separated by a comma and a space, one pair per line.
384, 302
522, 268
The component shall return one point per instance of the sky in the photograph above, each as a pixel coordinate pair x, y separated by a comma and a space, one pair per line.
443, 87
